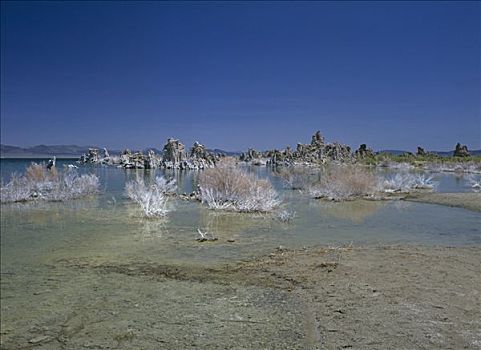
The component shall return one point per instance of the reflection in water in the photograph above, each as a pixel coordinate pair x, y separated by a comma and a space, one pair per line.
153, 229
42, 213
186, 180
76, 204
354, 211
402, 205
229, 225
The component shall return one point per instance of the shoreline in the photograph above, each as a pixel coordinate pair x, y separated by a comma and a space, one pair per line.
467, 200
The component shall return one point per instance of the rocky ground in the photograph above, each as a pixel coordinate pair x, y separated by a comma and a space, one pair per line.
400, 297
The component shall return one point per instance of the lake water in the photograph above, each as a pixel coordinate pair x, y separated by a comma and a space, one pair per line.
110, 217
50, 251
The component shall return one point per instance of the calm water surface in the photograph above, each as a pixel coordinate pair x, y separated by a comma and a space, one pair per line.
109, 224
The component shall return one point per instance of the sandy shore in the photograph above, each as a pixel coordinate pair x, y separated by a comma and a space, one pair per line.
400, 297
385, 298
471, 201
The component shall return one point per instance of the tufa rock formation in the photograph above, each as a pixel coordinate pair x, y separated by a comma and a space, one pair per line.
421, 152
151, 161
173, 153
363, 152
250, 155
317, 152
200, 158
461, 151
173, 156
92, 156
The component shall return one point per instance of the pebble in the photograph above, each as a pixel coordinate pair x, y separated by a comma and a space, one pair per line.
39, 339
42, 292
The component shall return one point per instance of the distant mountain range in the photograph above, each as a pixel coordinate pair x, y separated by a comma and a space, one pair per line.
43, 151
69, 151
397, 152
74, 151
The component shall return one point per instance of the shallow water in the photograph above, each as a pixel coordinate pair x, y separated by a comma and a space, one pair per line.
50, 254
110, 227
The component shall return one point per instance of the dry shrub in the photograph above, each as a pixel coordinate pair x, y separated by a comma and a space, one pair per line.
227, 161
231, 188
53, 173
345, 182
39, 173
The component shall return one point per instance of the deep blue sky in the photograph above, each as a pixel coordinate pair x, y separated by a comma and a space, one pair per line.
391, 74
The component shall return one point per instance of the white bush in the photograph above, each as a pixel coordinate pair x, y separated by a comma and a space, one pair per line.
285, 215
474, 183
165, 186
152, 199
41, 184
405, 182
422, 181
16, 190
71, 186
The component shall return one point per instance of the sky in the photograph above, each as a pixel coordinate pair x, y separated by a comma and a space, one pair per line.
234, 75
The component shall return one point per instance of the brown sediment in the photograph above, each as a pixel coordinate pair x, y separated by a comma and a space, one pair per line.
394, 297
471, 201
364, 298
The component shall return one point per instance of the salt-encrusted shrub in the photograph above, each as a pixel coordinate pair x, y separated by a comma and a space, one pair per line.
406, 182
474, 182
285, 215
38, 183
71, 185
165, 186
344, 182
230, 188
152, 199
423, 182
16, 190
294, 177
